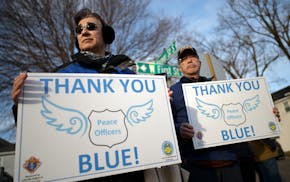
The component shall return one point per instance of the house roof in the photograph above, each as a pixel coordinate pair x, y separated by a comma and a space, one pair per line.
281, 93
6, 146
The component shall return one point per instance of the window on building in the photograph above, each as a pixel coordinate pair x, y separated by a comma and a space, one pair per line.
286, 106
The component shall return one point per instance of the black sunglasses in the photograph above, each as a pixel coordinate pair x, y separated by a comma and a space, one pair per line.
90, 26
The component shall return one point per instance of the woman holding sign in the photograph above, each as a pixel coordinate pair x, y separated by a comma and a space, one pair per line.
92, 36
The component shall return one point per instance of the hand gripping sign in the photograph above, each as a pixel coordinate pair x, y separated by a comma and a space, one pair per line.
226, 112
80, 126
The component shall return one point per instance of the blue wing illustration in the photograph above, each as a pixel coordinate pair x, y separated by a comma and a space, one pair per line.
252, 103
139, 113
66, 120
210, 110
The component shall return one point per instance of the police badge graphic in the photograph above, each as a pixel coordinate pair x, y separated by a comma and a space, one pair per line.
234, 114
104, 128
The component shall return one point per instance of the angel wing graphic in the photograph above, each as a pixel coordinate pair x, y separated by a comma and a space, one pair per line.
73, 121
66, 120
251, 104
232, 113
208, 109
139, 113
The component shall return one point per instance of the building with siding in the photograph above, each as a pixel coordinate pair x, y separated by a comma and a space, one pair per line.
281, 99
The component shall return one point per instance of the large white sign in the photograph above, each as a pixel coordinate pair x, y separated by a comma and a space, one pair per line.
79, 126
225, 112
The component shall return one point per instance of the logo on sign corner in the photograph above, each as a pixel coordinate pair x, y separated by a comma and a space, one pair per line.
167, 147
199, 135
272, 126
32, 164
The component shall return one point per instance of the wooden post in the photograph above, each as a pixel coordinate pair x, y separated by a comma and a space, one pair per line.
210, 65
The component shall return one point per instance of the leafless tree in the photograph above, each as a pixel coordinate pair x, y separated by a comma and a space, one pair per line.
35, 36
139, 33
268, 20
39, 35
243, 57
243, 42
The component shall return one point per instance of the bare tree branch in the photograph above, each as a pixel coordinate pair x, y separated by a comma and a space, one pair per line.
268, 19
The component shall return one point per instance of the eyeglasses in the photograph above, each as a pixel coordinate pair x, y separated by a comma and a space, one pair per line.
90, 26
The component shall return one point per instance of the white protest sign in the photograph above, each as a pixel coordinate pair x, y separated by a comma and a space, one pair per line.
226, 112
80, 126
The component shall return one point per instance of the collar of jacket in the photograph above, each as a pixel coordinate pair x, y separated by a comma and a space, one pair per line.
90, 59
192, 80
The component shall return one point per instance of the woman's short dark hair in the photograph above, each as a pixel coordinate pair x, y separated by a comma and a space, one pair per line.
85, 13
108, 31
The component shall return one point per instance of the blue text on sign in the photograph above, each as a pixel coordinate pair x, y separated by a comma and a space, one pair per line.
238, 133
113, 159
224, 88
71, 86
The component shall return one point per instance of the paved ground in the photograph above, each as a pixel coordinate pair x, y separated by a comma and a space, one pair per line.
284, 166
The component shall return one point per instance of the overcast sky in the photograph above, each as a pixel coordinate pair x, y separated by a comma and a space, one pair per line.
201, 15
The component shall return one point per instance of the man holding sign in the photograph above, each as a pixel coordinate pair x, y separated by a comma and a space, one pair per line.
210, 164
225, 114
